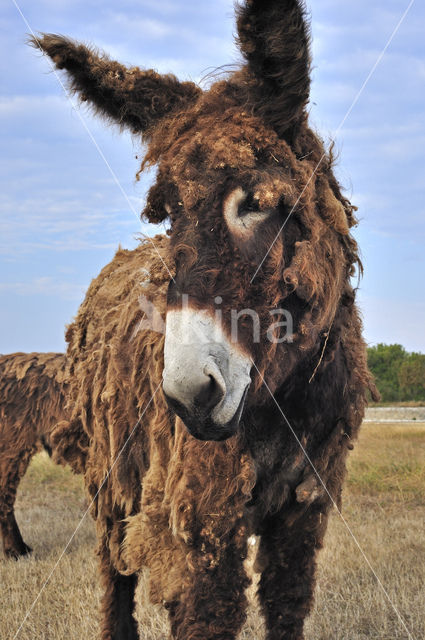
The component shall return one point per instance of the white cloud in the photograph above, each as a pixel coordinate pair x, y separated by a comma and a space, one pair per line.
16, 106
147, 28
46, 286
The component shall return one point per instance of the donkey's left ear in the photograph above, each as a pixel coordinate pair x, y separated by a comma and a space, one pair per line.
132, 98
274, 38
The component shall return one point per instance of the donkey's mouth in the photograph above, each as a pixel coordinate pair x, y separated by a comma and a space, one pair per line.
201, 425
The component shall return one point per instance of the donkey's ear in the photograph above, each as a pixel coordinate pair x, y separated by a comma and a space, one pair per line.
132, 98
274, 38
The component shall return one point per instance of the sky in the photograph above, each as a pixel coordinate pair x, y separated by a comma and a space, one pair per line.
68, 195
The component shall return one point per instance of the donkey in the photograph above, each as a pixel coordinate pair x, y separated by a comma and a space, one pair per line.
32, 418
205, 436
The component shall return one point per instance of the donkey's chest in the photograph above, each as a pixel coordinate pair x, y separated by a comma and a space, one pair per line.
275, 489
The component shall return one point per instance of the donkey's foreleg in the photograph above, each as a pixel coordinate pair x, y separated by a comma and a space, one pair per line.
117, 606
12, 468
287, 562
213, 606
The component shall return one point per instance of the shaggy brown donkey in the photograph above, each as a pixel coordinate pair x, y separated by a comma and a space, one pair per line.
32, 402
259, 239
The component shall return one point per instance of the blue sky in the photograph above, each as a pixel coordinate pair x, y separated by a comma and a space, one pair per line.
62, 215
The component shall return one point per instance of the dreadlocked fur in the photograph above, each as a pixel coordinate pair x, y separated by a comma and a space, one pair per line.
161, 498
32, 417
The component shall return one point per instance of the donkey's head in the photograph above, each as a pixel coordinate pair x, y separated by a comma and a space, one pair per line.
259, 230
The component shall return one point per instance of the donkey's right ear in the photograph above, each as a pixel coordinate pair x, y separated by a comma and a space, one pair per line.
132, 98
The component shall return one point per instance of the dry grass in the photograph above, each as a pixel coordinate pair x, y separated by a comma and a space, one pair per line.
405, 403
383, 505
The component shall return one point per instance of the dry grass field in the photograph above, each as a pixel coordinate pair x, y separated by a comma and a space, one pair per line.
384, 505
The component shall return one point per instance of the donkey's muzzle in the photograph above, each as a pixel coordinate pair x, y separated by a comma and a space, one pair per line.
206, 377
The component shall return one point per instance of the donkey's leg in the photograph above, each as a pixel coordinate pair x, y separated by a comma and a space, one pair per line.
13, 544
287, 561
12, 468
117, 607
213, 607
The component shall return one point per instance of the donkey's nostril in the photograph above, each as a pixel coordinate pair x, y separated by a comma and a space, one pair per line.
210, 394
195, 387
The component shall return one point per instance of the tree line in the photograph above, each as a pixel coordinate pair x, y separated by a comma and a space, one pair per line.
399, 374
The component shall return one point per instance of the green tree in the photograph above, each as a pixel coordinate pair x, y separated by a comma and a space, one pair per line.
385, 361
411, 377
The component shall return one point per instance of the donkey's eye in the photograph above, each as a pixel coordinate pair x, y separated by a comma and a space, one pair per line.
242, 212
250, 204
